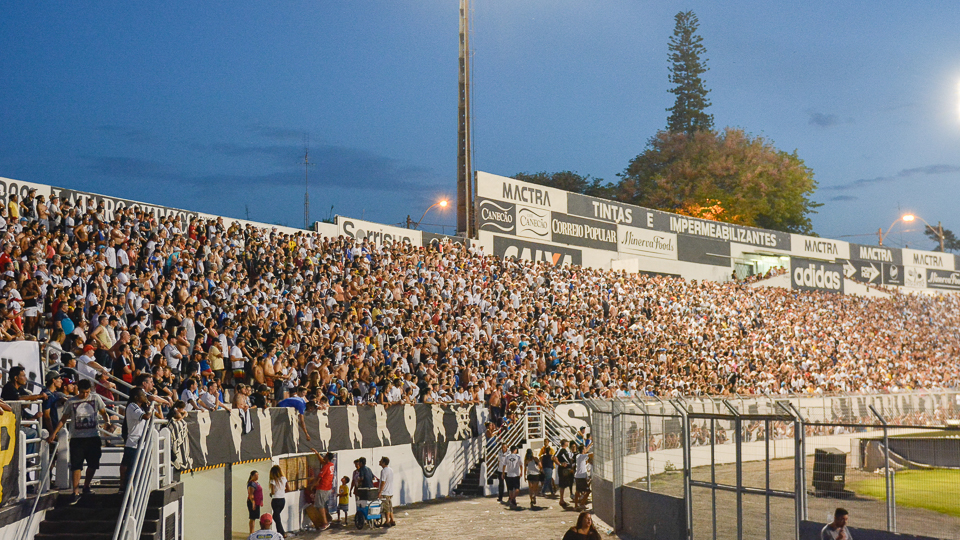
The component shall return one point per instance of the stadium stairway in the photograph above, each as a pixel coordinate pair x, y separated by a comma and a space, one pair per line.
470, 485
95, 516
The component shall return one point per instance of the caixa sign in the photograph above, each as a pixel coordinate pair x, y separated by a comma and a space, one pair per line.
810, 275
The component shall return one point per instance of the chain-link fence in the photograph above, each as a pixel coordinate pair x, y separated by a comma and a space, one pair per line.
772, 467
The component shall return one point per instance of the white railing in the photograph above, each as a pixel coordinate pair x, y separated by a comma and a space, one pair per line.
42, 489
142, 479
512, 435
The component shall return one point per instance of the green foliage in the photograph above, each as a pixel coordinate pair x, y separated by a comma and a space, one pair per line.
688, 113
725, 176
950, 240
934, 489
571, 181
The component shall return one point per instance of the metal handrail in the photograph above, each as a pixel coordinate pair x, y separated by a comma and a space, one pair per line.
513, 434
41, 489
139, 480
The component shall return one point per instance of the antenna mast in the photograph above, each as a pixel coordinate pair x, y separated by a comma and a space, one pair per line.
306, 182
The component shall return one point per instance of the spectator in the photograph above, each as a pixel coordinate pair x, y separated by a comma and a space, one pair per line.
84, 435
299, 402
135, 418
837, 529
582, 477
566, 465
583, 530
343, 500
531, 469
324, 488
254, 498
278, 491
547, 463
265, 532
386, 492
512, 469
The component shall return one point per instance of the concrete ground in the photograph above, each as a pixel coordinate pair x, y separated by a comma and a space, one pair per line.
469, 518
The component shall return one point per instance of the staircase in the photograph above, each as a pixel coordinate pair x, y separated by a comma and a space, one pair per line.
95, 516
470, 485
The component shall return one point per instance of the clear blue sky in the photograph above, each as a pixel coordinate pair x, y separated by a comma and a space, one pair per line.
204, 105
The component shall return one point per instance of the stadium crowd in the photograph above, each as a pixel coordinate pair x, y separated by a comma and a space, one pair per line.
338, 321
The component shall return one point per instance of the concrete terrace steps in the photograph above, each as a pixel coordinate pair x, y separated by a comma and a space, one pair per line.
95, 517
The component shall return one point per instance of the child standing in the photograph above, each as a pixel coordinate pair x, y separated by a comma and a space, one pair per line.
343, 504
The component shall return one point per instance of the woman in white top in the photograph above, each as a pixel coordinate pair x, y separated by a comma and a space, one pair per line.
278, 488
531, 467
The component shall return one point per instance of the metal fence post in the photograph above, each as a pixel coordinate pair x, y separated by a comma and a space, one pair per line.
646, 442
616, 443
687, 471
738, 439
887, 474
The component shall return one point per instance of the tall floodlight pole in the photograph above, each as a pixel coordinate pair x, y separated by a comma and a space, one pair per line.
465, 179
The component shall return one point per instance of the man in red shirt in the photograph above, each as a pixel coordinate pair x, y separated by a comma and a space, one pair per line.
324, 488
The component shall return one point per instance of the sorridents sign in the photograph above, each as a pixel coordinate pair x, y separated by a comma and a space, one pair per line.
533, 223
646, 242
940, 279
496, 216
928, 259
583, 232
811, 275
506, 247
377, 233
500, 188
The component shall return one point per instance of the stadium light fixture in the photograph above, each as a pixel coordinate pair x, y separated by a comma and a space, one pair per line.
442, 204
909, 218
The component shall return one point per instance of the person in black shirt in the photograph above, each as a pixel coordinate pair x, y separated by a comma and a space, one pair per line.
259, 398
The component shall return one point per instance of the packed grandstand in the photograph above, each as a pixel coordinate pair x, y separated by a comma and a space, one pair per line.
356, 322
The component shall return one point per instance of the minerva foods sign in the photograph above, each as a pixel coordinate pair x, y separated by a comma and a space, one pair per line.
810, 275
940, 279
646, 242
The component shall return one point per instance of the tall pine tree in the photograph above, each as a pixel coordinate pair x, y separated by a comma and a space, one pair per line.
688, 113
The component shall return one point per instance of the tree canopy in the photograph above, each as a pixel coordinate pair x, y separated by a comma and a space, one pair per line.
950, 240
725, 176
688, 113
571, 181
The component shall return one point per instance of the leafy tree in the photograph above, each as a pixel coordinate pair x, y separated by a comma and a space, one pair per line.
725, 176
950, 240
686, 49
571, 181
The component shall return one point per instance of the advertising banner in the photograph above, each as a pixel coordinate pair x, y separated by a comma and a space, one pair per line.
940, 279
588, 233
893, 274
21, 353
700, 250
606, 210
728, 232
880, 254
111, 205
819, 248
501, 188
646, 242
811, 275
533, 223
496, 216
915, 277
929, 259
863, 271
506, 247
377, 233
10, 454
205, 439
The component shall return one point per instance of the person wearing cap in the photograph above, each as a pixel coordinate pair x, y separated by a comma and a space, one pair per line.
86, 365
52, 396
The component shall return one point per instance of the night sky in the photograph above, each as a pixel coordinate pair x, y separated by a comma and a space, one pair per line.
208, 105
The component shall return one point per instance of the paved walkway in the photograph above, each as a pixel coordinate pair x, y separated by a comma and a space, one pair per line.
469, 518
